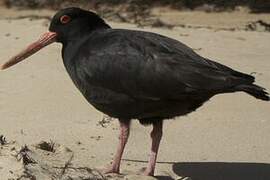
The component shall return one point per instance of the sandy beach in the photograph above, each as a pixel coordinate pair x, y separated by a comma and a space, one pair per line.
226, 139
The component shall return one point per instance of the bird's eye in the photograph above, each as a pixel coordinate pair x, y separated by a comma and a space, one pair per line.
65, 19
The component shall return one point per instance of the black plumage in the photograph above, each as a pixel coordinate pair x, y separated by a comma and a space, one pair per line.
136, 75
141, 75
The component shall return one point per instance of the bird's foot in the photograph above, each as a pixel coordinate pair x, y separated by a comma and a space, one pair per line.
111, 169
146, 172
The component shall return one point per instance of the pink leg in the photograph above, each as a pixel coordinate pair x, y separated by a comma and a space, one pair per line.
156, 135
123, 138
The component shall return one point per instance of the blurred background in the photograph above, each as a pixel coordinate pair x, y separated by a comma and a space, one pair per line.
209, 5
148, 12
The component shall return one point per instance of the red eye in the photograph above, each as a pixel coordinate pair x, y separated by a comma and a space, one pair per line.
65, 19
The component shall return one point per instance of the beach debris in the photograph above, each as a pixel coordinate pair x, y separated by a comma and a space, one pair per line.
24, 156
67, 164
47, 146
27, 162
3, 140
105, 121
78, 142
258, 25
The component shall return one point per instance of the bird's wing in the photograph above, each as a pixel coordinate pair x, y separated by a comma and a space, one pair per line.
147, 65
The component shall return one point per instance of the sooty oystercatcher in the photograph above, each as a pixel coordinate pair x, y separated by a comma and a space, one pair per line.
140, 75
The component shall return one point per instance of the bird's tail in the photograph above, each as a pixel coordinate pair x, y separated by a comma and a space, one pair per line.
255, 91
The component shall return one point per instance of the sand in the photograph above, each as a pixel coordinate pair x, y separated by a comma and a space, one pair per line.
227, 138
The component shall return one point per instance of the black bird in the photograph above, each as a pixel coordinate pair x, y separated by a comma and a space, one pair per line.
140, 75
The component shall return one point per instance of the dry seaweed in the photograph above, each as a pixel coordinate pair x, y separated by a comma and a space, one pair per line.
24, 156
46, 146
3, 140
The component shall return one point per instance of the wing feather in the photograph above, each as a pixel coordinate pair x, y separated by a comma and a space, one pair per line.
150, 66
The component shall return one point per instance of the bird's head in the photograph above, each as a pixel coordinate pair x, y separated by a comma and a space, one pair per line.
66, 25
72, 23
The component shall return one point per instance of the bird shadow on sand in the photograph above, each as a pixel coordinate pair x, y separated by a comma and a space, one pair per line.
164, 178
217, 170
222, 170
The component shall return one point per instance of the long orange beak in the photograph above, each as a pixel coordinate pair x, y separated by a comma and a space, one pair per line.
46, 39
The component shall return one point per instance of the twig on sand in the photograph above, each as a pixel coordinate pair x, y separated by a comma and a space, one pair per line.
67, 164
88, 170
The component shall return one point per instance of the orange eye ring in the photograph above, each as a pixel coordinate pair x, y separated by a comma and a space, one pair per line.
65, 19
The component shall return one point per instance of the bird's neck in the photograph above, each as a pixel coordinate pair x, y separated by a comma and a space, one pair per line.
80, 34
